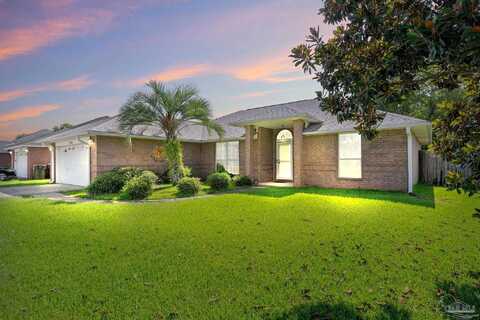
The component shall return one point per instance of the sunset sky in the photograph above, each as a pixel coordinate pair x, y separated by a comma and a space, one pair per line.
71, 61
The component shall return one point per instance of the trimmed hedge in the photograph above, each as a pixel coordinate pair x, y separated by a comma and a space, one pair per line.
114, 181
242, 181
137, 188
128, 172
219, 181
150, 175
188, 186
108, 182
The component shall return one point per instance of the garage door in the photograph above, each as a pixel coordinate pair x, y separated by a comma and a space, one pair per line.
21, 163
73, 164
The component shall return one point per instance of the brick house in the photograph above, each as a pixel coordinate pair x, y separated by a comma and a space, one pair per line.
294, 141
5, 157
26, 153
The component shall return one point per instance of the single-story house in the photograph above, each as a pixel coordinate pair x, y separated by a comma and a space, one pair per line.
295, 141
26, 153
5, 157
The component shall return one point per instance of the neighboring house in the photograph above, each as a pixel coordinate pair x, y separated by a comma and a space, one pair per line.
294, 141
5, 157
26, 152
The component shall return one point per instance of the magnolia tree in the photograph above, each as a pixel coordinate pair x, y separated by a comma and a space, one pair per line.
415, 57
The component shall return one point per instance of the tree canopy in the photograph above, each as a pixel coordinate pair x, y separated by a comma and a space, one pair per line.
170, 110
416, 57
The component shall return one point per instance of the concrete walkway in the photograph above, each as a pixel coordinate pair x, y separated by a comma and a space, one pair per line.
38, 190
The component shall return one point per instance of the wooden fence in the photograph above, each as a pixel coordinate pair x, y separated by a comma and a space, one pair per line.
433, 169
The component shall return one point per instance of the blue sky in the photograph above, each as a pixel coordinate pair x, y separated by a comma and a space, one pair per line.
71, 60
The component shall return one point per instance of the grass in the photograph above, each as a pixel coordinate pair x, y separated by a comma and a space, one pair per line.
163, 191
270, 254
19, 183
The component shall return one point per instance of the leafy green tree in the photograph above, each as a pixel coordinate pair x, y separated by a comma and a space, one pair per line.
386, 54
62, 126
170, 110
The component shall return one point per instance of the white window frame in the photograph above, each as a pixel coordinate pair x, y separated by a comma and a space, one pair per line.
340, 159
232, 159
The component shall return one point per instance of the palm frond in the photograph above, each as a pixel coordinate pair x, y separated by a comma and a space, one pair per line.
170, 109
136, 111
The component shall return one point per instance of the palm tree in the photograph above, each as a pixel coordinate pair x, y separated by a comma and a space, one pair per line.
171, 110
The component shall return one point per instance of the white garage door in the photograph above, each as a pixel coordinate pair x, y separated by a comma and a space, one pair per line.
73, 164
21, 163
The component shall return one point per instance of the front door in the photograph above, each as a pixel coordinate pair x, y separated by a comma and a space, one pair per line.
284, 156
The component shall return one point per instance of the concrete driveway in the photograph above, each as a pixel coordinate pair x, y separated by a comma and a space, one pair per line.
45, 189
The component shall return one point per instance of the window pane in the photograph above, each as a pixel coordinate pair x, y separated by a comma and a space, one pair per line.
227, 154
221, 151
350, 146
350, 169
234, 157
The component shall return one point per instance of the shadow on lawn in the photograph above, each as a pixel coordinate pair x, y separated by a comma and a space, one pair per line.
342, 311
469, 294
424, 194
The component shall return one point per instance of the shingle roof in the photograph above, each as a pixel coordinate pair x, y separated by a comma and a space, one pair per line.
31, 139
78, 130
318, 122
3, 145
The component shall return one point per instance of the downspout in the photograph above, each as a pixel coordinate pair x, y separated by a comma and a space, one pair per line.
410, 159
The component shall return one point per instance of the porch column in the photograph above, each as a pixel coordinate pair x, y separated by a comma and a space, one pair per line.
249, 149
298, 126
264, 155
53, 163
12, 159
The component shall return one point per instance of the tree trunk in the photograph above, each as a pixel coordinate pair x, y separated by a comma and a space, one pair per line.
174, 155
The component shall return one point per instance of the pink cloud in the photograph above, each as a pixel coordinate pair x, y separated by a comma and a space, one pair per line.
13, 94
257, 94
74, 84
270, 69
27, 112
273, 69
24, 40
172, 74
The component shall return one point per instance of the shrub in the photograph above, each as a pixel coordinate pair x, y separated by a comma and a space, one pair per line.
220, 168
188, 186
129, 172
242, 181
137, 188
109, 182
151, 176
187, 171
163, 177
219, 181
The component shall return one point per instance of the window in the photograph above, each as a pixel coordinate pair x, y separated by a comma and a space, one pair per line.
350, 155
227, 154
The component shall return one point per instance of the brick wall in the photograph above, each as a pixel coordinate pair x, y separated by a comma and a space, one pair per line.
204, 161
384, 162
111, 152
36, 156
5, 160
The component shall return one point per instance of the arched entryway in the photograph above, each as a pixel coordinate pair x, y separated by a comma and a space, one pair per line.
284, 155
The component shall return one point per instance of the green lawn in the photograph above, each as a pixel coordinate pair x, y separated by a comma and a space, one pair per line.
164, 191
265, 254
18, 182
